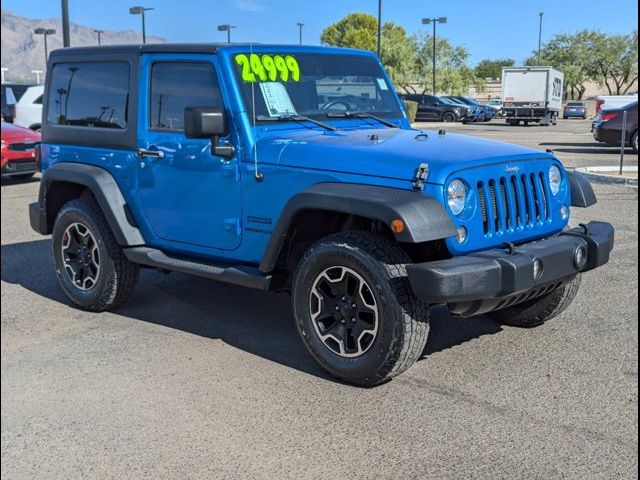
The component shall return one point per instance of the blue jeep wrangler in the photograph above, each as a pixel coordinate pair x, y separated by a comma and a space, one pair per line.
296, 169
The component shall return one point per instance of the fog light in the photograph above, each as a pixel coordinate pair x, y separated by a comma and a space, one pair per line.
580, 257
462, 234
537, 268
564, 212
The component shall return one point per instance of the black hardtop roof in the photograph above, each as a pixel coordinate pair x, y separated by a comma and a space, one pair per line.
148, 48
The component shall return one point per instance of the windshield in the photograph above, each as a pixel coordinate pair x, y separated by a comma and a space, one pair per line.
313, 85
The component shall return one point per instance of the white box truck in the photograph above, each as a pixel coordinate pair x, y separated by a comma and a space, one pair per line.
531, 94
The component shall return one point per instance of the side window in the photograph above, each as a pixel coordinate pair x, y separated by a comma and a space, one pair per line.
430, 101
175, 86
38, 101
91, 94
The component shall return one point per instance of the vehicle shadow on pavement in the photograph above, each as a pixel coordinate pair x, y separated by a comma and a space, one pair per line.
257, 322
11, 181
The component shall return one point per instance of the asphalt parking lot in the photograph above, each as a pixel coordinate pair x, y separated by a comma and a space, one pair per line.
195, 379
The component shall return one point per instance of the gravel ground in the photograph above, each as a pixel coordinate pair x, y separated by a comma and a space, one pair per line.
195, 379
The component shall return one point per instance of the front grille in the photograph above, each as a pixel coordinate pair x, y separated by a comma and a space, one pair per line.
519, 201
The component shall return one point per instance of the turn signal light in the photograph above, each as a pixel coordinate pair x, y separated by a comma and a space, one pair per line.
397, 226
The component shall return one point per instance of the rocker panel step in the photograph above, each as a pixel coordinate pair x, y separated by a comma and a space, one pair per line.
240, 275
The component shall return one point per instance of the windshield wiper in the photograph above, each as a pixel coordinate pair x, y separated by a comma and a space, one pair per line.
361, 115
295, 118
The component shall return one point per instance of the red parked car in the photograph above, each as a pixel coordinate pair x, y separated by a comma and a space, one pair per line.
18, 151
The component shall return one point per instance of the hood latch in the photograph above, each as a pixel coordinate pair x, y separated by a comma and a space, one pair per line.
422, 173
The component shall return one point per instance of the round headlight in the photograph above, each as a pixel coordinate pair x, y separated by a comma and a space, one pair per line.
555, 179
457, 196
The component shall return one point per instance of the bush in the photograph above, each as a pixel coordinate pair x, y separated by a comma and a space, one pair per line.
412, 109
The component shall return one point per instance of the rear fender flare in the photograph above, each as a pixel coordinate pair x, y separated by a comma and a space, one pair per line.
106, 192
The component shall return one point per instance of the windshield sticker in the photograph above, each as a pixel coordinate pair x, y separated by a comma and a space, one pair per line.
382, 84
277, 99
268, 68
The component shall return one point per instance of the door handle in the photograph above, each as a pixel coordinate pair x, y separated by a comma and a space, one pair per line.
143, 152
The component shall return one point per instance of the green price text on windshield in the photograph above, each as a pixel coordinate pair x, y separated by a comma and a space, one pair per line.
268, 68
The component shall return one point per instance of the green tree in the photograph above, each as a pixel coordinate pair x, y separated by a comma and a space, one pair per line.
453, 75
489, 68
571, 54
616, 62
356, 30
588, 55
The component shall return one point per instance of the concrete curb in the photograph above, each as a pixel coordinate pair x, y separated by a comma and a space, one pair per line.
609, 175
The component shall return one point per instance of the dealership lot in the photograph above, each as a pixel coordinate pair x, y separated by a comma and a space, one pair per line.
196, 379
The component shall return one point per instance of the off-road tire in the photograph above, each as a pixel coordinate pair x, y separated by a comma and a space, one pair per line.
534, 313
448, 117
117, 276
403, 320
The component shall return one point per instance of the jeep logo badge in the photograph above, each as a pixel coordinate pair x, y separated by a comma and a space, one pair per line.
513, 169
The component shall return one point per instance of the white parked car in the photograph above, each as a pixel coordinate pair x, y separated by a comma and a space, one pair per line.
29, 108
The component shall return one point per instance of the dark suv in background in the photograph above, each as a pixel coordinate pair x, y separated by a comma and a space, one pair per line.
435, 109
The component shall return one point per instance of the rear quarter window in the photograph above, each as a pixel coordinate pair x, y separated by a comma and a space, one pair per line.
91, 94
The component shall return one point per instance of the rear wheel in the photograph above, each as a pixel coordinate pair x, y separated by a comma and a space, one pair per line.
354, 308
89, 263
535, 312
634, 142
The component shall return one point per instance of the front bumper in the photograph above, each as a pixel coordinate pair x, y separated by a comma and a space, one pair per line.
490, 280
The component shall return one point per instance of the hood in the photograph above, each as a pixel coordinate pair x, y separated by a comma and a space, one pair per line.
14, 132
388, 152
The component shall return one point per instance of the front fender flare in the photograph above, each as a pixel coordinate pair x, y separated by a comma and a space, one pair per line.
424, 217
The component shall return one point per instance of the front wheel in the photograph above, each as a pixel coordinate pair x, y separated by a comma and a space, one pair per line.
535, 312
634, 142
354, 309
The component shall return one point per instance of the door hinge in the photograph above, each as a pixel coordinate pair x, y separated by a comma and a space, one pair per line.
231, 169
233, 225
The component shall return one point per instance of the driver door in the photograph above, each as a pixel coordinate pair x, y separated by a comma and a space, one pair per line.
188, 195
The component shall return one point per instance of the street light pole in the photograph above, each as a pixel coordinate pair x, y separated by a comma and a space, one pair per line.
99, 32
379, 27
44, 32
540, 37
66, 39
226, 28
300, 25
140, 11
427, 21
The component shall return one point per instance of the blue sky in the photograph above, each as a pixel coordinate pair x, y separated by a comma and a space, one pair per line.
487, 28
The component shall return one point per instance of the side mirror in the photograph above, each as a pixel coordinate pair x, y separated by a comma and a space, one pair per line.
208, 122
205, 122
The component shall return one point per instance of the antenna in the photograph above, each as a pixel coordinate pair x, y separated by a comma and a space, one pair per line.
257, 174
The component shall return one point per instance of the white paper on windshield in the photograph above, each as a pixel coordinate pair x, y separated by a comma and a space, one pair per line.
277, 99
382, 84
